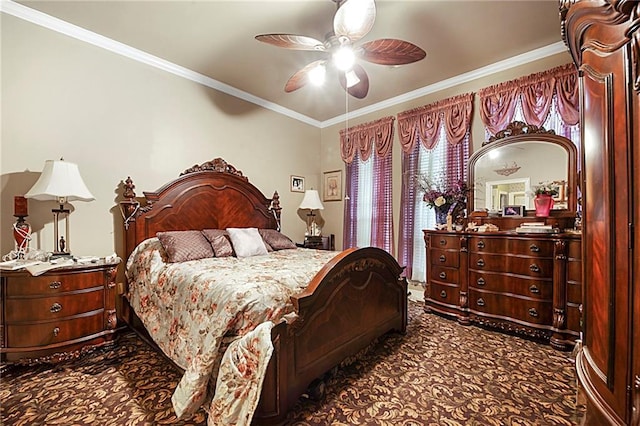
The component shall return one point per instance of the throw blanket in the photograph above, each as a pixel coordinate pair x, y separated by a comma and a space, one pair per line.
188, 309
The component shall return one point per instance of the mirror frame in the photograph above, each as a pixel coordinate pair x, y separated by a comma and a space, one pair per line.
518, 131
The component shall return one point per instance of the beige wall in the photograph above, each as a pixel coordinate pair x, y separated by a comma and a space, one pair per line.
115, 118
330, 141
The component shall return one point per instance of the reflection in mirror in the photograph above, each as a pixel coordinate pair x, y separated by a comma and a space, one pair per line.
537, 161
507, 169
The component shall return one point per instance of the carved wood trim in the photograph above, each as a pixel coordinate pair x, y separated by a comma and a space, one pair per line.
516, 128
216, 165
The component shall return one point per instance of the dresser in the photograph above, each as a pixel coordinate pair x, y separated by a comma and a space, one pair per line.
519, 283
57, 315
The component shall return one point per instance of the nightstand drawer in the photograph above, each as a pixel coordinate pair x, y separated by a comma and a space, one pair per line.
31, 335
47, 308
27, 285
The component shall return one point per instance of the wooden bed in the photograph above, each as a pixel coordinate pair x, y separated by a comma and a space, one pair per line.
360, 292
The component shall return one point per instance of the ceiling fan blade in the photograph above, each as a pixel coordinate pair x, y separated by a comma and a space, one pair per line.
354, 19
301, 77
291, 41
389, 51
361, 88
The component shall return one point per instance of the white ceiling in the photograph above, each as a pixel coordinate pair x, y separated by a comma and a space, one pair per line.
215, 40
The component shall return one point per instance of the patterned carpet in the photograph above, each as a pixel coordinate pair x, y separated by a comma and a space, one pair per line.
439, 373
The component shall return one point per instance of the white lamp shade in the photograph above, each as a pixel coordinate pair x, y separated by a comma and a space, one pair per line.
60, 179
311, 200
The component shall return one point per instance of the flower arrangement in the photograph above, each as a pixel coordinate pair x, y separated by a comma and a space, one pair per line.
438, 193
546, 188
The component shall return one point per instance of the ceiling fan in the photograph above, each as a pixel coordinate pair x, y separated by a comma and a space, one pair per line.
352, 21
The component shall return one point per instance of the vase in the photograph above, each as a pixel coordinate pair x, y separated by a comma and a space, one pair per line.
544, 204
441, 214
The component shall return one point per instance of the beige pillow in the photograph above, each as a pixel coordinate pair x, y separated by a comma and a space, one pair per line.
220, 242
276, 239
247, 242
182, 246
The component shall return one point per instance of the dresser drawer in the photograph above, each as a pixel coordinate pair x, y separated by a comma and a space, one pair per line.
508, 307
521, 265
448, 258
445, 241
443, 293
31, 335
444, 274
26, 285
501, 283
47, 308
528, 247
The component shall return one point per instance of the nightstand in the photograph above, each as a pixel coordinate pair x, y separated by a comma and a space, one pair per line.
58, 315
320, 242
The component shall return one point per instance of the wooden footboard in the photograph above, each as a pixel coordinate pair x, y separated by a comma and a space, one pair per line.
356, 298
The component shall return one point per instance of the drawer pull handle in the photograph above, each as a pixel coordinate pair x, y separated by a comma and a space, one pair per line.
481, 302
442, 258
443, 275
480, 244
56, 331
534, 248
481, 281
533, 313
443, 242
55, 285
534, 289
534, 268
443, 294
56, 307
480, 263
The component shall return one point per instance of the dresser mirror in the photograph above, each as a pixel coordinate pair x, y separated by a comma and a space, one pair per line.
508, 167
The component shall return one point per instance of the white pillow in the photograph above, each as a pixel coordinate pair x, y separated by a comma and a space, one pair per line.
247, 242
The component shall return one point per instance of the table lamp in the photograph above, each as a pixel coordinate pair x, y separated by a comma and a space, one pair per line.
311, 201
60, 181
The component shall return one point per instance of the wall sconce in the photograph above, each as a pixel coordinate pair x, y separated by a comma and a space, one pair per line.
311, 201
60, 181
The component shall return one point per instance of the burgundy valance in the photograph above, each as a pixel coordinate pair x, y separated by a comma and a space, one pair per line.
498, 102
363, 137
424, 122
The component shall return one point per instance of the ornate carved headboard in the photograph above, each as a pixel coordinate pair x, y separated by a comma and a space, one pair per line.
213, 195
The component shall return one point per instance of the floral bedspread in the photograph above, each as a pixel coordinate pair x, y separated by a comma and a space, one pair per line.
189, 308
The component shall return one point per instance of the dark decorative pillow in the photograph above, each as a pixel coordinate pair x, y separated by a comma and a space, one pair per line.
182, 246
276, 239
220, 242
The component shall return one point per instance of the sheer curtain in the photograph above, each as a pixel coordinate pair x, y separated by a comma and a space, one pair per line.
368, 215
435, 142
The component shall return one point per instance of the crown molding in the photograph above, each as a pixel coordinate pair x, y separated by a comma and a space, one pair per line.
47, 21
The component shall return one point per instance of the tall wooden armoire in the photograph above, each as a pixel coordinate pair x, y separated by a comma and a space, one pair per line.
604, 40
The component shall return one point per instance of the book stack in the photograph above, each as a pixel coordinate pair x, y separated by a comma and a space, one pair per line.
535, 228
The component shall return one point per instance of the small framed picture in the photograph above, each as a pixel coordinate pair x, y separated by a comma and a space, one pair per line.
297, 184
513, 211
332, 186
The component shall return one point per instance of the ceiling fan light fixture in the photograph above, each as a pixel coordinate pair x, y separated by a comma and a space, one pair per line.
317, 75
352, 78
344, 58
